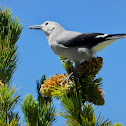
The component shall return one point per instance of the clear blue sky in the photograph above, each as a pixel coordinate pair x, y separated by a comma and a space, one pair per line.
108, 16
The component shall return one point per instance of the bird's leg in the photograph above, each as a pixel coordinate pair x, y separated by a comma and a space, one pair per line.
76, 79
77, 64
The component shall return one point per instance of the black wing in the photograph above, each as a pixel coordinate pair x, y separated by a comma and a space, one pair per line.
89, 40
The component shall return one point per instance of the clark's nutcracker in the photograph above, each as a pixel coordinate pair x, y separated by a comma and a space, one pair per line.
75, 46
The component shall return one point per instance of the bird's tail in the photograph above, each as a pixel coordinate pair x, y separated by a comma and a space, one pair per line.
115, 36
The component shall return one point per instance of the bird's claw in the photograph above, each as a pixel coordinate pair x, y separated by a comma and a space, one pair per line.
66, 60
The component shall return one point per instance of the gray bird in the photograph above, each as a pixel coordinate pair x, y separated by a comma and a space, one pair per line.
75, 46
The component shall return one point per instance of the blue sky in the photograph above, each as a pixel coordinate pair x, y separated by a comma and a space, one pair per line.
36, 58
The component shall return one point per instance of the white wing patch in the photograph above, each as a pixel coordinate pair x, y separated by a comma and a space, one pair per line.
101, 36
83, 50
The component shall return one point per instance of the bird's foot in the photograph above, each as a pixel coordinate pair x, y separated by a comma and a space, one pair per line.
66, 60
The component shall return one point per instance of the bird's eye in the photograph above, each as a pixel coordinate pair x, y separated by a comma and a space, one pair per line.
46, 23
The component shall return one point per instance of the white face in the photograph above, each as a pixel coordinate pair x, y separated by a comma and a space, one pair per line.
47, 27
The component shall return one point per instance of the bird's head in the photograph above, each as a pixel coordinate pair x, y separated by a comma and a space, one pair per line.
48, 27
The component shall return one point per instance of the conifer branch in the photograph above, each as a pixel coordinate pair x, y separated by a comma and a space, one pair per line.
10, 30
